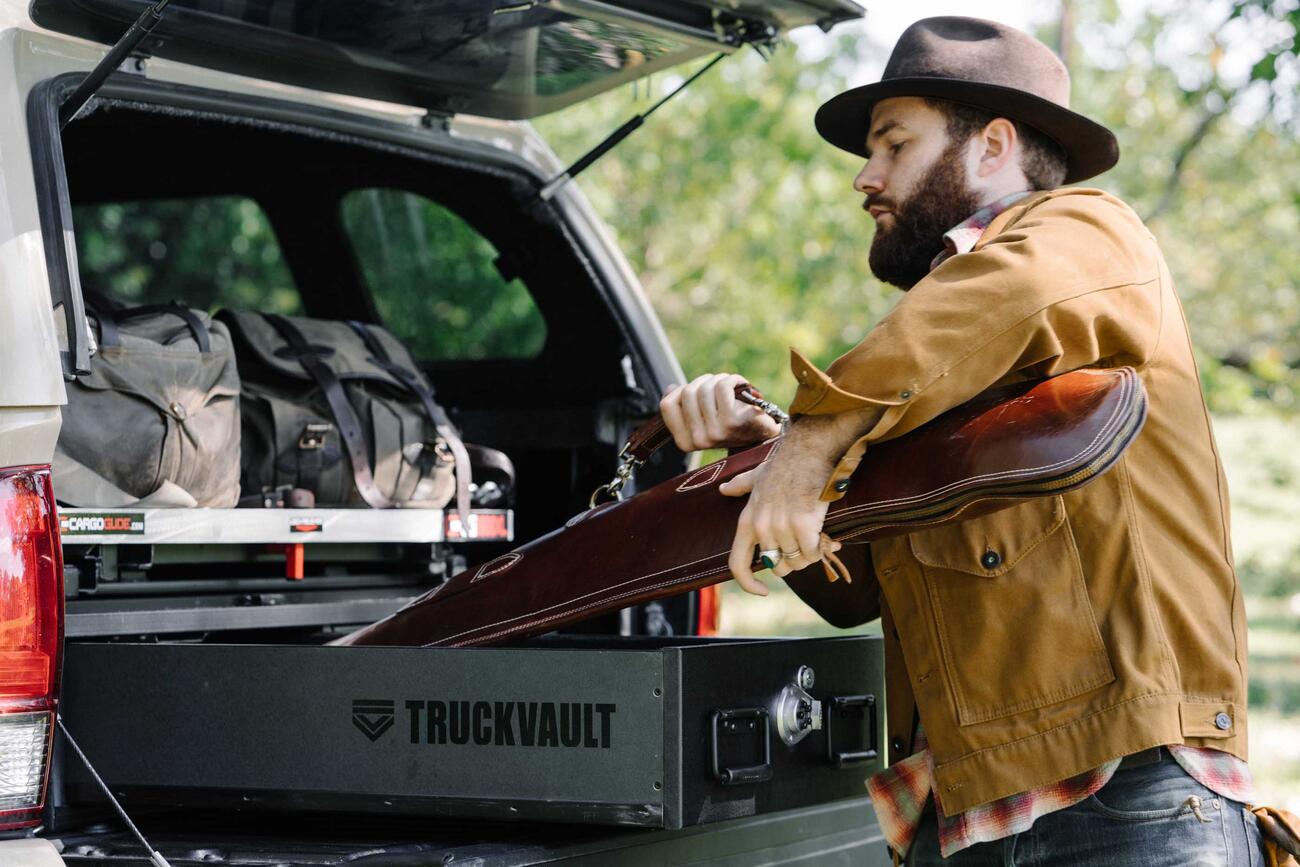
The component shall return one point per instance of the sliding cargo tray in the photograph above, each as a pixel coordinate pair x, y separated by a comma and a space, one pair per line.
634, 731
280, 526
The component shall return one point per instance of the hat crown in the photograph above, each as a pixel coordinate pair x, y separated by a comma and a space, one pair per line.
972, 49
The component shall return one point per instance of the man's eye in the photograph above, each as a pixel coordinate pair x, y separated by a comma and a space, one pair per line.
895, 148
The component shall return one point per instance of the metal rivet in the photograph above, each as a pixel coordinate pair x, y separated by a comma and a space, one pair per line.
991, 559
658, 785
841, 485
657, 692
905, 394
896, 745
177, 410
1223, 721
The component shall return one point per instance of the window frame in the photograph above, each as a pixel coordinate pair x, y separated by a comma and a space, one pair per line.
54, 205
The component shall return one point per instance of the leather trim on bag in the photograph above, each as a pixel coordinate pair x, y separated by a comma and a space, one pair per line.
706, 476
502, 563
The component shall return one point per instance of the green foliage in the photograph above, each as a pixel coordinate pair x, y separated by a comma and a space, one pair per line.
434, 280
748, 237
432, 276
207, 253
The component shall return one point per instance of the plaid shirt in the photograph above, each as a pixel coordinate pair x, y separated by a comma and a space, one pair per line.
899, 792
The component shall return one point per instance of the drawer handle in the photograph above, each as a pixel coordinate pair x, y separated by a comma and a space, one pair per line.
840, 706
741, 721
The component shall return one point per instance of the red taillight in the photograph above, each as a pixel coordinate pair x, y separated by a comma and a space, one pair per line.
31, 638
710, 608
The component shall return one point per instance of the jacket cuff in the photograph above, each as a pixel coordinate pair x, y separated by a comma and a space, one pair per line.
818, 394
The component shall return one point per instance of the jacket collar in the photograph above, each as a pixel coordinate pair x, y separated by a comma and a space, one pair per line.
961, 238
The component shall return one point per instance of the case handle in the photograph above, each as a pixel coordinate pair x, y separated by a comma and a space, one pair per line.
740, 721
839, 705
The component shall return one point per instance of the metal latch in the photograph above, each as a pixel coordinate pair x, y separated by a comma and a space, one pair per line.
313, 436
797, 712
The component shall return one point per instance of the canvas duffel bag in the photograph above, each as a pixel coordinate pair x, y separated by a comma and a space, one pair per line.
340, 409
156, 421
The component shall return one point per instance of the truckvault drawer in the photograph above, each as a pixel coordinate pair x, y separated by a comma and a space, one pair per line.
647, 732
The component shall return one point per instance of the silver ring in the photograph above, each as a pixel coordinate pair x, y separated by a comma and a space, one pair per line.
769, 557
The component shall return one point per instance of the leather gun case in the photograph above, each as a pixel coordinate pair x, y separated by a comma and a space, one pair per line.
1009, 444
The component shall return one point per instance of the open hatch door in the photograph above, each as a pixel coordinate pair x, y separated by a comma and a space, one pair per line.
510, 59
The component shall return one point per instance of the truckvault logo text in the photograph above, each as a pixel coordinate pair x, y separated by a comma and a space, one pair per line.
372, 716
584, 725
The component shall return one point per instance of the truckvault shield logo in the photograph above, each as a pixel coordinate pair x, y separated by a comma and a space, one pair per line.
372, 716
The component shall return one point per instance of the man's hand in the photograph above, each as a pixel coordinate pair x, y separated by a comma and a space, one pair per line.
706, 415
785, 510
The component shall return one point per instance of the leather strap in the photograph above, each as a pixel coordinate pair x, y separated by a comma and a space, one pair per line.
108, 322
489, 458
653, 434
1149, 756
416, 385
1281, 832
345, 417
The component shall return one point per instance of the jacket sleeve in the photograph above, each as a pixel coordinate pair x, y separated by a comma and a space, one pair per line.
1072, 281
842, 604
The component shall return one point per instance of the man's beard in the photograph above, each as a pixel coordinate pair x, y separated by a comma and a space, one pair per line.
901, 255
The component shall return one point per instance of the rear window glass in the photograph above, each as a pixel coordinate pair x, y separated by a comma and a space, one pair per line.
434, 280
206, 253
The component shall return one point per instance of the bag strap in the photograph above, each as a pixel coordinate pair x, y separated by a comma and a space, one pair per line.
650, 436
345, 416
414, 383
108, 322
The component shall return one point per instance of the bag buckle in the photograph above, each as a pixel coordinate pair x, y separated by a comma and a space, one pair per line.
613, 489
312, 437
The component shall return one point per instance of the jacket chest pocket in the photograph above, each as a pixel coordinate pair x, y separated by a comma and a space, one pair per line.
1015, 625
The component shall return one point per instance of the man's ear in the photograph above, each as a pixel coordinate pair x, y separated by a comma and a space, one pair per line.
997, 144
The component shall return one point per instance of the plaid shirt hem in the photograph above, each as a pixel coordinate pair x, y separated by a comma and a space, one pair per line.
899, 794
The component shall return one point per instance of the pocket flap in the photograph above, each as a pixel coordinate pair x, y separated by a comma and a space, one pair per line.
1208, 719
993, 544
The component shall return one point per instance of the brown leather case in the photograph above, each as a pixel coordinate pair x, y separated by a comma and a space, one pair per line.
1009, 444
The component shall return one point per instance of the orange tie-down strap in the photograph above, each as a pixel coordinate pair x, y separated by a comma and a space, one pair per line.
1281, 831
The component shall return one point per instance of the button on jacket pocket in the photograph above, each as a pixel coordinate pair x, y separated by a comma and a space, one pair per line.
1015, 625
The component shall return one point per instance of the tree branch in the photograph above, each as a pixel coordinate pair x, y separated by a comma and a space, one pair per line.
1181, 156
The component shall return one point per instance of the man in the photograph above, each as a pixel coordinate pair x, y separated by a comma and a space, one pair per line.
1065, 678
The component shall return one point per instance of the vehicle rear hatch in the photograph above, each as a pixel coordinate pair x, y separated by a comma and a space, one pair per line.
511, 59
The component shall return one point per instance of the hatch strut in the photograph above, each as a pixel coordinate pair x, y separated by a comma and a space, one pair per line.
143, 25
554, 184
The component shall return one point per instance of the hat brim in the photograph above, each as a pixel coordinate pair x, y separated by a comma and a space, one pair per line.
1090, 148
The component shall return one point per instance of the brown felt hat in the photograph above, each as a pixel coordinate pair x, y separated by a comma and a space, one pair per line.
984, 64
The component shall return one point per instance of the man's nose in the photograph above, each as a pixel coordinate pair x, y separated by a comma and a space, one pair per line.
869, 181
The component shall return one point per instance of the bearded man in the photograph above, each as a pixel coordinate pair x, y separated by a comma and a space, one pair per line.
1066, 679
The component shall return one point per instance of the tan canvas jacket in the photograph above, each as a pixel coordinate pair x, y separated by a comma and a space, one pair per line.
1112, 618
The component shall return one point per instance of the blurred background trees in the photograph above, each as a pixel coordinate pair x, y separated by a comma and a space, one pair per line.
776, 253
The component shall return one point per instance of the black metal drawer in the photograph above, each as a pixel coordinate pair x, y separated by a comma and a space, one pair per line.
642, 732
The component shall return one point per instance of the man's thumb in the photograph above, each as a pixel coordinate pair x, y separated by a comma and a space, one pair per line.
739, 486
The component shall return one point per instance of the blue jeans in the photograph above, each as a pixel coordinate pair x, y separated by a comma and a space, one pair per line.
1141, 818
